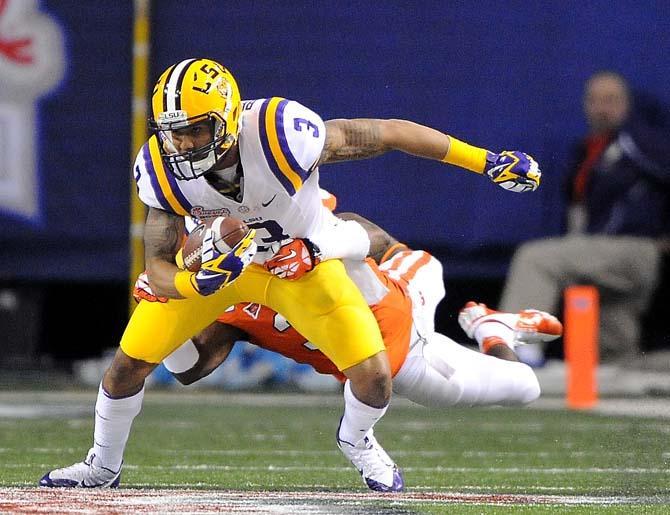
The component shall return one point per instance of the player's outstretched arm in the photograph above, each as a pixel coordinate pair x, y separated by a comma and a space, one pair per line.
382, 245
212, 345
364, 138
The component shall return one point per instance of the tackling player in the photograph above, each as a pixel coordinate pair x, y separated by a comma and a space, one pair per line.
427, 367
213, 155
403, 292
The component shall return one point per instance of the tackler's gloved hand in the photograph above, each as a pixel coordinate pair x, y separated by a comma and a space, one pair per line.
143, 291
294, 258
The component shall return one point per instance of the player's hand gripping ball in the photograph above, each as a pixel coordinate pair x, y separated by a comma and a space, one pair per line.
513, 170
218, 251
293, 258
230, 230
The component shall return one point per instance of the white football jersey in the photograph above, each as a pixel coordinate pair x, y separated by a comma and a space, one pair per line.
280, 143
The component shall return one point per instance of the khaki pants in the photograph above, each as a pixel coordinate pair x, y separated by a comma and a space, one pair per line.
624, 269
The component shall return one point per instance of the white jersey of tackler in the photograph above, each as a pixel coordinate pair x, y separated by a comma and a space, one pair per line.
280, 143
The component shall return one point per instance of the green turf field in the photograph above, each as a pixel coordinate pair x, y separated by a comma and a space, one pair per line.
530, 460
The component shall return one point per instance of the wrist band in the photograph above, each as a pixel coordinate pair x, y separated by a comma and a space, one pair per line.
184, 284
466, 156
392, 250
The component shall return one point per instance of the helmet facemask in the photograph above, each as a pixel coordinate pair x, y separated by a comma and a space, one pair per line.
196, 162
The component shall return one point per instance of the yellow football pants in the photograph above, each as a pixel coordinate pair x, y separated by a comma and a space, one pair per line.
324, 305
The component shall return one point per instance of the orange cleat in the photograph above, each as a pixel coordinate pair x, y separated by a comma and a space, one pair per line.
529, 325
534, 326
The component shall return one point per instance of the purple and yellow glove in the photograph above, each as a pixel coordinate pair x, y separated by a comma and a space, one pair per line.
218, 269
513, 170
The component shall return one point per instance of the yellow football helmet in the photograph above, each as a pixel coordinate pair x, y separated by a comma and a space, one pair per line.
191, 92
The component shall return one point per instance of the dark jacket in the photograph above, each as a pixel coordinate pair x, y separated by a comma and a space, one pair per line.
628, 190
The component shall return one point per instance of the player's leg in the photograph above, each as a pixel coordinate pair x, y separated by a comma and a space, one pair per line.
355, 433
424, 277
439, 372
154, 331
327, 309
499, 334
113, 417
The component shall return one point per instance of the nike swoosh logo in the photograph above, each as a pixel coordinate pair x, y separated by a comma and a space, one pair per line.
266, 204
290, 255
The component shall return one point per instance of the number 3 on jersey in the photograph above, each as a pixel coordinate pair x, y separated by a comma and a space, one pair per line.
269, 232
299, 122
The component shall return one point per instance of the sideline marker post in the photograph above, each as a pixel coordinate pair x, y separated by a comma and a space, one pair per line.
580, 339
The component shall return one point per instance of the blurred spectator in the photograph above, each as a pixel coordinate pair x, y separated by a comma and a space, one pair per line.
617, 221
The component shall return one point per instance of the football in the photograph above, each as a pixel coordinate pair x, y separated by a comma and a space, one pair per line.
228, 232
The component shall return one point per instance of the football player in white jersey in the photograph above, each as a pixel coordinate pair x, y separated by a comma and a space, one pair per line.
212, 154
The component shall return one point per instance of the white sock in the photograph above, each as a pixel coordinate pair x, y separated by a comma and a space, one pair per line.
358, 417
494, 328
113, 418
182, 359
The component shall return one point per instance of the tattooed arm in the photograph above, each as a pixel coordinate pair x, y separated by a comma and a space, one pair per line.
347, 140
163, 234
381, 242
362, 138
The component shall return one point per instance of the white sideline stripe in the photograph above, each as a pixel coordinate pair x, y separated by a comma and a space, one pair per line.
524, 427
439, 468
633, 407
498, 470
399, 453
13, 411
